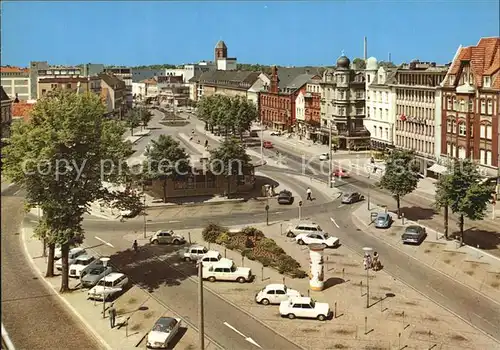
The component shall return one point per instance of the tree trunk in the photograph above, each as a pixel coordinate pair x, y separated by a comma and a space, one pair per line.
165, 191
446, 222
131, 131
398, 203
461, 226
50, 261
64, 273
228, 186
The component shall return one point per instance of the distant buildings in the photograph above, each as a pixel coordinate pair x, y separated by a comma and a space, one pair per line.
223, 62
114, 93
16, 82
6, 110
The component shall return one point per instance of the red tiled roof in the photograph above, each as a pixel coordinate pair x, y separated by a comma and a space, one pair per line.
9, 69
22, 110
484, 60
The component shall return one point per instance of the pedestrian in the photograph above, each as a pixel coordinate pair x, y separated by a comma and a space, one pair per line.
112, 316
135, 246
365, 261
376, 262
369, 261
206, 143
309, 194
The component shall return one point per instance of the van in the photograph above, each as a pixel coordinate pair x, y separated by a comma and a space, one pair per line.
303, 227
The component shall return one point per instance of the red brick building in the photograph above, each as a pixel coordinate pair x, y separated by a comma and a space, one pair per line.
277, 101
470, 105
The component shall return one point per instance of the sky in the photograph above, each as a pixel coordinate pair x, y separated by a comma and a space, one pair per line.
282, 32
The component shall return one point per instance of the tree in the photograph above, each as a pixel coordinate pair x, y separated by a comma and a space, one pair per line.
400, 176
245, 113
206, 111
229, 159
165, 158
443, 198
145, 116
464, 192
132, 120
386, 64
61, 158
359, 63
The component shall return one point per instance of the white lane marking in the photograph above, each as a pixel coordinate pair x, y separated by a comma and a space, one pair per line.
17, 192
248, 339
279, 212
173, 221
340, 206
103, 241
335, 222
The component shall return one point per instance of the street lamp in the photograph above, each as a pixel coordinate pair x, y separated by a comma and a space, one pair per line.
367, 250
105, 264
144, 213
330, 165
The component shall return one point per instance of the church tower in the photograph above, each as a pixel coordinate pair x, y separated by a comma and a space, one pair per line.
220, 50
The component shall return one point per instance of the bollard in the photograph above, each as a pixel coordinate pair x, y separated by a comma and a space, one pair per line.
381, 308
283, 280
399, 340
335, 311
343, 274
403, 319
308, 292
403, 219
189, 237
242, 261
361, 285
281, 229
366, 325
225, 252
126, 326
478, 252
262, 272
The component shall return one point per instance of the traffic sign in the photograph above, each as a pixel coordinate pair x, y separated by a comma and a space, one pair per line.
300, 203
267, 207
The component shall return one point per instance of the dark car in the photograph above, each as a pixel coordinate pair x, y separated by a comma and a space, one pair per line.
383, 220
414, 234
285, 197
352, 197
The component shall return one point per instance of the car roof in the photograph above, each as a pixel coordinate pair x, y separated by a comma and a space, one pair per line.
305, 300
84, 257
275, 286
166, 321
76, 249
212, 253
382, 215
196, 246
413, 227
113, 276
224, 262
308, 223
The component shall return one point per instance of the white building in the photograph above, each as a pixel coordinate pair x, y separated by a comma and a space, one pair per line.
191, 70
257, 87
16, 82
380, 104
227, 64
300, 109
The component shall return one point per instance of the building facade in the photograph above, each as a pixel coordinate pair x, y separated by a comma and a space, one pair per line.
76, 84
254, 91
343, 106
312, 109
470, 99
16, 82
380, 105
173, 91
277, 101
228, 83
114, 94
6, 110
223, 62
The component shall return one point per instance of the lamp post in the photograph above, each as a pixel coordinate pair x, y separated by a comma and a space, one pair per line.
144, 213
105, 264
201, 321
367, 250
330, 160
261, 139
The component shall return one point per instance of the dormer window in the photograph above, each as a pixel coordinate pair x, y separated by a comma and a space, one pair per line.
487, 81
451, 79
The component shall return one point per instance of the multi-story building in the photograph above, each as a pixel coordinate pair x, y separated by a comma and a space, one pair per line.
277, 101
308, 110
343, 106
16, 82
124, 74
380, 104
195, 70
470, 100
140, 74
229, 83
6, 110
114, 94
223, 62
35, 67
415, 86
173, 91
77, 84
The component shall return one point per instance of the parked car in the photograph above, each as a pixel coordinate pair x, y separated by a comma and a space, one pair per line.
166, 237
304, 307
82, 262
90, 277
72, 255
226, 270
108, 287
414, 234
275, 294
324, 156
383, 220
276, 133
285, 197
194, 252
352, 197
340, 173
254, 133
267, 144
164, 329
317, 238
302, 227
209, 258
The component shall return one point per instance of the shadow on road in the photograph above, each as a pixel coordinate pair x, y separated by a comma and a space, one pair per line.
487, 240
417, 213
332, 282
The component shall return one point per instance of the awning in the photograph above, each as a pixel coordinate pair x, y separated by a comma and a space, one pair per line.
438, 169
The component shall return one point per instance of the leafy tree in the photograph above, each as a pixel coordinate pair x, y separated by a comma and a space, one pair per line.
400, 176
229, 159
359, 63
245, 113
462, 189
145, 116
165, 158
443, 198
132, 120
206, 111
386, 64
61, 157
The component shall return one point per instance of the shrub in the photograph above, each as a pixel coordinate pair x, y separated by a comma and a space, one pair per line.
248, 253
249, 243
264, 260
270, 246
212, 232
298, 273
287, 264
252, 232
223, 239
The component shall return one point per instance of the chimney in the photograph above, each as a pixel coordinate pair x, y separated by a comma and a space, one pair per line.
389, 57
365, 50
274, 80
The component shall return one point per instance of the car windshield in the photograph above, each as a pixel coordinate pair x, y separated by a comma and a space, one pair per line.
96, 271
347, 195
412, 230
108, 283
83, 262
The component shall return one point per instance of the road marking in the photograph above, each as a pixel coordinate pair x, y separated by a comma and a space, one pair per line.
335, 222
340, 206
103, 241
279, 212
248, 339
173, 221
17, 192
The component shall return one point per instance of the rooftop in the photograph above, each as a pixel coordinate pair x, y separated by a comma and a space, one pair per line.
241, 79
22, 110
4, 95
10, 69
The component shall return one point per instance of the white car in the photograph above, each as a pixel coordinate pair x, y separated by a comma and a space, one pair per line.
162, 333
108, 286
166, 237
318, 238
304, 307
72, 255
324, 156
226, 270
210, 258
275, 294
194, 253
82, 263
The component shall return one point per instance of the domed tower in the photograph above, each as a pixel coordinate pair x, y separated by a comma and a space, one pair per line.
343, 71
343, 62
220, 50
371, 70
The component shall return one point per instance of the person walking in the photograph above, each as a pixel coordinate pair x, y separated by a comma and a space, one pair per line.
309, 194
135, 246
112, 316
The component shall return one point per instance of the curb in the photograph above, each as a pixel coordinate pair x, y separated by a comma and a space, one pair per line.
65, 302
237, 200
6, 340
435, 302
359, 220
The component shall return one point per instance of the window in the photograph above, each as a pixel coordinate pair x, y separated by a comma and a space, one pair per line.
489, 109
488, 158
482, 131
462, 130
462, 106
483, 107
375, 131
461, 152
448, 103
482, 156
488, 132
487, 81
471, 106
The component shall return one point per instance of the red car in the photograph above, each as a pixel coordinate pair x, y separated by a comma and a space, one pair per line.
267, 144
340, 173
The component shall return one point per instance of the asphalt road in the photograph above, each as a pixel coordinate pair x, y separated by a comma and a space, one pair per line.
33, 315
173, 282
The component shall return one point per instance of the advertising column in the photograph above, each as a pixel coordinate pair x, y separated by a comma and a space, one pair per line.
316, 271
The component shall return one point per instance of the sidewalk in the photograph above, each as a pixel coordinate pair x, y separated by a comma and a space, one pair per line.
470, 266
137, 135
137, 310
